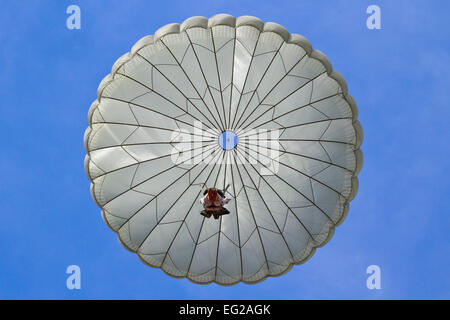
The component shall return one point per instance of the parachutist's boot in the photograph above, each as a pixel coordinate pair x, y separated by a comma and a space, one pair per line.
205, 214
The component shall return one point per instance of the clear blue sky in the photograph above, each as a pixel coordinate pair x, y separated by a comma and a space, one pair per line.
400, 219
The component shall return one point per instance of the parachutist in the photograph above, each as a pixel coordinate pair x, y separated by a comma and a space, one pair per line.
213, 203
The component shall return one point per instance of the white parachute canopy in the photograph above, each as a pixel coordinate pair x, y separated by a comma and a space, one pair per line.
217, 102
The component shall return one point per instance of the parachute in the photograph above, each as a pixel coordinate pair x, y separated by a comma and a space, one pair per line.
216, 102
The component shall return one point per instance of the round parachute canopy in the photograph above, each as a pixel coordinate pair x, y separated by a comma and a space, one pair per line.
228, 103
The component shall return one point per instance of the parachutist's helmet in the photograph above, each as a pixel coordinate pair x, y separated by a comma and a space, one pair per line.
212, 194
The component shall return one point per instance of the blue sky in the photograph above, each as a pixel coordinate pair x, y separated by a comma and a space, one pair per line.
400, 219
